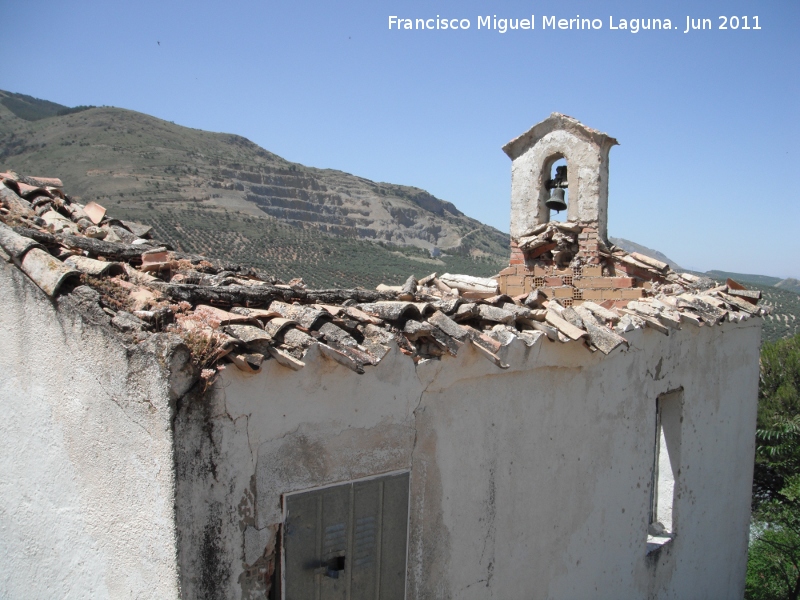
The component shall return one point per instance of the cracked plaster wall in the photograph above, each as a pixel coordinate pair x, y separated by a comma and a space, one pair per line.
530, 482
87, 486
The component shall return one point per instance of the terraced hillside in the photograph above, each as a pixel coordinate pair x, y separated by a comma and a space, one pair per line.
785, 318
222, 195
142, 167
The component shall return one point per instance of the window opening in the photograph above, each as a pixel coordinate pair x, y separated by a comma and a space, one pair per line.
665, 481
558, 191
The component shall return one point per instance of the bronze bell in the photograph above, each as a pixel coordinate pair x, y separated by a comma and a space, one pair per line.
556, 201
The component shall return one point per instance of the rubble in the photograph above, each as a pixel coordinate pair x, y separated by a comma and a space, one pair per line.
563, 284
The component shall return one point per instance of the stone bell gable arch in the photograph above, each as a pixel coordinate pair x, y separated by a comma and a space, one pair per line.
533, 154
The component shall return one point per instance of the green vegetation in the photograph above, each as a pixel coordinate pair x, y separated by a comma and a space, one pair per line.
34, 109
784, 321
773, 571
288, 251
785, 318
744, 277
789, 284
224, 196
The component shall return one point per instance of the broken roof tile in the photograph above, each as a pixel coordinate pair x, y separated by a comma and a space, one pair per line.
222, 317
424, 318
274, 327
47, 272
390, 310
95, 212
285, 359
90, 266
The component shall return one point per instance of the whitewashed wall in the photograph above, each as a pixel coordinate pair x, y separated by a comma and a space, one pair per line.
86, 461
531, 482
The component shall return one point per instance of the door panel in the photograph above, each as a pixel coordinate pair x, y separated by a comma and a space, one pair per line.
347, 542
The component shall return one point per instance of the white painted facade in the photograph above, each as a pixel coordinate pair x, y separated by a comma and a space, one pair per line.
530, 482
86, 454
527, 482
122, 477
533, 482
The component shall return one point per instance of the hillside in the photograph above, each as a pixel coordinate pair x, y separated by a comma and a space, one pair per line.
221, 195
277, 213
763, 280
790, 284
785, 318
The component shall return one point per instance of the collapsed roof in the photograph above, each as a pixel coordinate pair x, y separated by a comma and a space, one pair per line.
229, 313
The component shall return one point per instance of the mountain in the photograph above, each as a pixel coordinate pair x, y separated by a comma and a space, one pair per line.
763, 280
281, 216
790, 284
221, 195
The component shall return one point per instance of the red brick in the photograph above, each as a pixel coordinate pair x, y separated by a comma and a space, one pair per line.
553, 281
592, 271
622, 282
632, 293
508, 271
592, 283
612, 294
562, 292
515, 280
541, 250
634, 271
592, 294
516, 260
528, 284
513, 290
540, 271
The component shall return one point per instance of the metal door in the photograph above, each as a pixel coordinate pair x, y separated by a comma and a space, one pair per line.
347, 542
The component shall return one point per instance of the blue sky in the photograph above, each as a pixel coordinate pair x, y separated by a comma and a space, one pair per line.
708, 165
